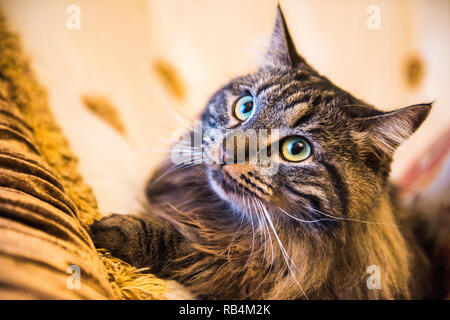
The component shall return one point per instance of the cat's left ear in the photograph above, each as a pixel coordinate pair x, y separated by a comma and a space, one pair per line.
385, 131
282, 50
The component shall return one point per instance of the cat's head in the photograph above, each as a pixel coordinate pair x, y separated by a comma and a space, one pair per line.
334, 151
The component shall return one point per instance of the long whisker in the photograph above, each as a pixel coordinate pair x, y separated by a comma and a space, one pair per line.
184, 149
177, 116
304, 221
268, 232
261, 224
171, 170
354, 220
286, 256
253, 234
265, 240
245, 200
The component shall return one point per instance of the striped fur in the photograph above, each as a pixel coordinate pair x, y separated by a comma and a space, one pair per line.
309, 231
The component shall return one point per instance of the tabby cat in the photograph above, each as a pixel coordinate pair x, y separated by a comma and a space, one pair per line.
324, 226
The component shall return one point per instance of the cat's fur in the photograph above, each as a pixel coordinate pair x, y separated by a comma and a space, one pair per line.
309, 231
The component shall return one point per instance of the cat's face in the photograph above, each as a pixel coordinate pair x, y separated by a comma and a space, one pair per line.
332, 151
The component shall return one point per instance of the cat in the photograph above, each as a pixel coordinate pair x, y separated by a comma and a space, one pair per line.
325, 225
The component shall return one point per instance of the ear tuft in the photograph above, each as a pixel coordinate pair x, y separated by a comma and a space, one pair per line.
282, 49
388, 130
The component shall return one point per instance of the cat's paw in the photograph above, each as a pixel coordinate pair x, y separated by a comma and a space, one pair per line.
120, 235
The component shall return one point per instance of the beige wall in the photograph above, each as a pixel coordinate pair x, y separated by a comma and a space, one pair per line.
209, 42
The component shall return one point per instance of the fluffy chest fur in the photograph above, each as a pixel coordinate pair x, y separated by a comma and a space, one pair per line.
230, 258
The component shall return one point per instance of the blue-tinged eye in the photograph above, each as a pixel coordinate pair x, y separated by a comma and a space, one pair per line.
244, 108
295, 149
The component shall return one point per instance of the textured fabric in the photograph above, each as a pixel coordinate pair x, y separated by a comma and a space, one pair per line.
42, 231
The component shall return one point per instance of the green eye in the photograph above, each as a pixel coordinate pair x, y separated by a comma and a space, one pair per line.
295, 149
244, 108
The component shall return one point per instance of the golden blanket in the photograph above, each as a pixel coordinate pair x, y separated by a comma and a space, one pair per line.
45, 207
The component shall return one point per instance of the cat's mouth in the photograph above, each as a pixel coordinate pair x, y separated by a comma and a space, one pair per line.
225, 182
231, 189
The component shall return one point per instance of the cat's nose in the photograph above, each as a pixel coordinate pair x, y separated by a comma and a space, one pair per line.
236, 153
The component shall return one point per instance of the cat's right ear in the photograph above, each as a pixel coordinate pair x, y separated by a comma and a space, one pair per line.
281, 50
385, 131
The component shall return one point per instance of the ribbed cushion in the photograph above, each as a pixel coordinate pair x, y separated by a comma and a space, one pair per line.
41, 231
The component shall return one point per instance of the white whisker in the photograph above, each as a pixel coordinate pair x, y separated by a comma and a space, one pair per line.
354, 220
304, 221
169, 171
286, 256
265, 240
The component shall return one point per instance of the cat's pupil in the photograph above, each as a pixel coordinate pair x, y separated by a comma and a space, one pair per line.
297, 148
248, 107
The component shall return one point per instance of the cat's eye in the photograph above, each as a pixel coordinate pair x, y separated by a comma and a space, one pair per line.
244, 108
295, 149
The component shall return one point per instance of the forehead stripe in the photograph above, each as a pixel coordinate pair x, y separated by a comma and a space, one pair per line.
302, 99
303, 118
266, 86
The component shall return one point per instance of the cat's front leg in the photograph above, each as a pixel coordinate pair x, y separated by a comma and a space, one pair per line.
142, 242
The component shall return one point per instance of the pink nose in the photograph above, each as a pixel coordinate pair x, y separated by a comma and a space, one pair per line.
227, 157
224, 155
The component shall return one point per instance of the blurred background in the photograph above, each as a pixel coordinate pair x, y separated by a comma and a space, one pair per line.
144, 58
